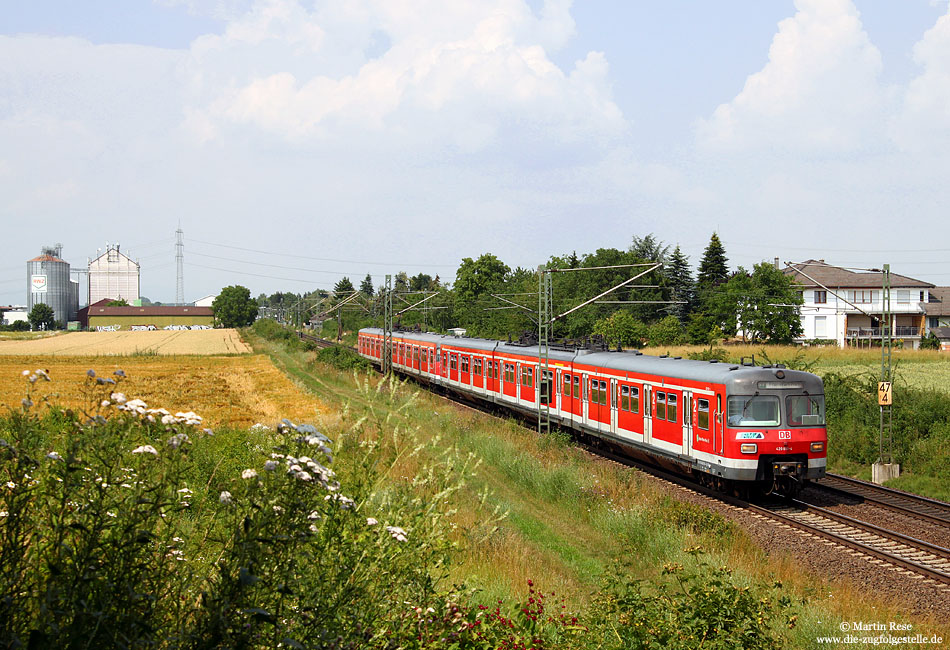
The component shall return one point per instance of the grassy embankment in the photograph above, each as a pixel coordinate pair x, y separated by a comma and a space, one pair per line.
568, 518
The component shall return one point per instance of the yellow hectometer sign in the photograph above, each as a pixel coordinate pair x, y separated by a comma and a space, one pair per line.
885, 394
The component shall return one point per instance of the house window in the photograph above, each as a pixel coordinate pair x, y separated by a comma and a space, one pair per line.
821, 327
861, 296
821, 297
903, 295
923, 296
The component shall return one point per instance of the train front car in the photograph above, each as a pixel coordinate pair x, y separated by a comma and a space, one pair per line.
775, 428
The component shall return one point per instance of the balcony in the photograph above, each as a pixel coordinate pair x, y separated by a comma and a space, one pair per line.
898, 332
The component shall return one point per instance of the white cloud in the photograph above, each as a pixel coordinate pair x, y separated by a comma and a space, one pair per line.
924, 122
819, 92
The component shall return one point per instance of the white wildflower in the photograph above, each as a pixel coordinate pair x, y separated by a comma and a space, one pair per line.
9, 484
118, 398
314, 529
293, 469
33, 379
278, 510
4, 513
184, 491
304, 476
54, 456
112, 514
398, 533
271, 465
25, 373
177, 440
169, 419
370, 521
145, 449
225, 498
104, 403
249, 473
314, 515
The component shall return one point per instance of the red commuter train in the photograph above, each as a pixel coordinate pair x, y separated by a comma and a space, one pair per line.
731, 426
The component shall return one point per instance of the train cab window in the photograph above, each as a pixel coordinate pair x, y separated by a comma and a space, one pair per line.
752, 411
702, 417
805, 410
464, 364
478, 367
660, 405
566, 385
624, 398
671, 409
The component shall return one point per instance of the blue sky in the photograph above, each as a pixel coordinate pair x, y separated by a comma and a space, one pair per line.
295, 142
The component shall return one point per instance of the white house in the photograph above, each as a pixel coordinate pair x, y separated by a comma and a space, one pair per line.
847, 306
206, 301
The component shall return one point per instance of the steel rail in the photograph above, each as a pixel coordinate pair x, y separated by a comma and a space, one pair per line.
914, 505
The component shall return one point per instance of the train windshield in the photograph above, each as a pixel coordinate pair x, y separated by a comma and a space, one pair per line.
753, 411
805, 410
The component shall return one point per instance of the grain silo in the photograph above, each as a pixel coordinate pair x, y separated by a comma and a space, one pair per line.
48, 281
113, 276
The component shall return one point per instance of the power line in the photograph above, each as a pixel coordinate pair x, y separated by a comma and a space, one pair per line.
322, 259
256, 275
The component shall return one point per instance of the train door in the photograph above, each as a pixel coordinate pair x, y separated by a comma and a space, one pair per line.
687, 421
444, 369
717, 427
613, 405
647, 414
585, 398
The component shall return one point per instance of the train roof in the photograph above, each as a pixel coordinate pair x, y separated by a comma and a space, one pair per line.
740, 378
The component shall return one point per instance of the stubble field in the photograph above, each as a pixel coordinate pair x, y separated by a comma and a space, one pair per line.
233, 390
158, 342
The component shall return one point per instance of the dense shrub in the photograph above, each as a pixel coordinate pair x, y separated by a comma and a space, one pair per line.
343, 358
271, 330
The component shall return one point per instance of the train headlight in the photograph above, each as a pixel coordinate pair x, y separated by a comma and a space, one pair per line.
817, 447
748, 448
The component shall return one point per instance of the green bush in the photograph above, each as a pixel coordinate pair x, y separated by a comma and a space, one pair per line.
689, 607
343, 358
271, 330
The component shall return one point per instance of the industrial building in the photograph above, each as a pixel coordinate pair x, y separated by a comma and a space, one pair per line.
48, 282
100, 315
113, 276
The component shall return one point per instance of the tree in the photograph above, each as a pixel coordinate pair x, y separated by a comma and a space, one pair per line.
366, 286
667, 331
420, 282
713, 269
234, 307
42, 317
622, 329
121, 302
681, 284
343, 287
767, 306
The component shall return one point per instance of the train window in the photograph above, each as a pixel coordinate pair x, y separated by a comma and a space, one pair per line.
671, 407
453, 362
527, 376
702, 419
805, 410
752, 411
445, 359
577, 387
415, 353
478, 367
566, 386
464, 364
624, 398
603, 393
490, 370
634, 399
660, 405
510, 373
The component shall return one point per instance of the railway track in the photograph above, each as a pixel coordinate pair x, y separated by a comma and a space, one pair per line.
903, 502
930, 562
319, 342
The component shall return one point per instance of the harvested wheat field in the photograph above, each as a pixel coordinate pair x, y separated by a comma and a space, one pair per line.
158, 342
236, 391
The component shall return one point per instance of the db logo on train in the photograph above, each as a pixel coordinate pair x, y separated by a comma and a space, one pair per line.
784, 435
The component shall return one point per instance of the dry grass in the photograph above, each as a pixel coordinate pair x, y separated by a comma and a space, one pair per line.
236, 391
159, 342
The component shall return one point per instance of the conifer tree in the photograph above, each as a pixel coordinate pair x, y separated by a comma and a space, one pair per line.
713, 269
681, 285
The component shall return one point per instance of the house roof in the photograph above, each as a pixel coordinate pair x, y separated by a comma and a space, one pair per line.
836, 277
151, 310
939, 304
942, 333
